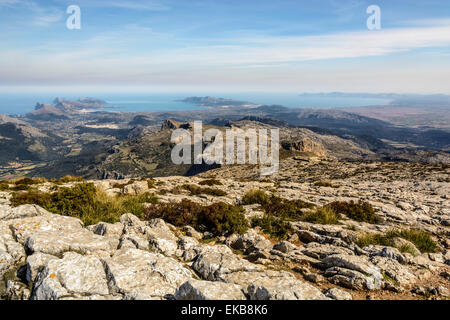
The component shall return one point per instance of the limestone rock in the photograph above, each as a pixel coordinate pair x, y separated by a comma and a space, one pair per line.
144, 275
287, 289
23, 211
107, 229
284, 246
136, 188
250, 242
393, 269
207, 290
73, 274
338, 294
36, 262
212, 266
352, 271
191, 232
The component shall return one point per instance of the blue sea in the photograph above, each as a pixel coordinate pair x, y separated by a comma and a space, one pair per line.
14, 103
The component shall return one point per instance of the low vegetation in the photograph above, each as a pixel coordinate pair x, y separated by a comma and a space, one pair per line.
324, 183
219, 218
321, 216
67, 179
210, 182
276, 228
196, 190
4, 186
85, 202
255, 196
421, 239
361, 211
286, 209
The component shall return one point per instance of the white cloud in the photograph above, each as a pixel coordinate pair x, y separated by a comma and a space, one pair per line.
244, 61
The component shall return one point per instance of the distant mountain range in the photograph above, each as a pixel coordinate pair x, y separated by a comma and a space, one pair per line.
395, 98
214, 102
80, 137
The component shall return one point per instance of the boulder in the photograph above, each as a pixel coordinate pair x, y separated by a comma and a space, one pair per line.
207, 290
140, 274
107, 229
213, 265
54, 234
73, 274
285, 247
351, 279
191, 232
34, 263
20, 212
338, 294
285, 289
136, 188
320, 251
352, 271
249, 242
394, 270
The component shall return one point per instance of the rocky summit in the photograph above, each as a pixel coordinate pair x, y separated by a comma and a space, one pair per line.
316, 230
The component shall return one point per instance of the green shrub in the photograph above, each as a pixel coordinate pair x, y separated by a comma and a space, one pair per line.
85, 202
321, 216
67, 179
421, 239
26, 183
286, 209
374, 239
275, 227
120, 185
222, 218
29, 181
361, 211
4, 186
196, 190
31, 197
218, 218
255, 196
210, 182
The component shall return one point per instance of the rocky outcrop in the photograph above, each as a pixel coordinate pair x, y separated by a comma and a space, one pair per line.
144, 275
207, 290
48, 256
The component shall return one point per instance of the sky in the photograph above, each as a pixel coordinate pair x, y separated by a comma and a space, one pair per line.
227, 45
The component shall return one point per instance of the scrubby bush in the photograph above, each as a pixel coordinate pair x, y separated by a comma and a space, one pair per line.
196, 190
275, 227
42, 199
321, 216
26, 183
4, 185
222, 218
85, 202
210, 182
67, 179
30, 181
421, 239
218, 218
286, 209
255, 196
361, 211
120, 185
